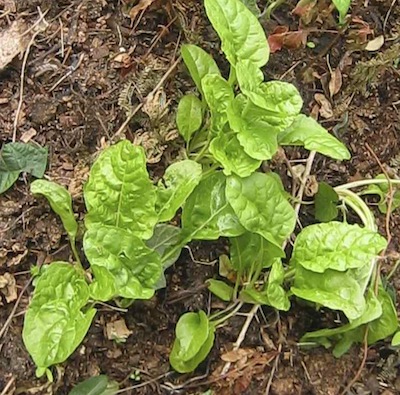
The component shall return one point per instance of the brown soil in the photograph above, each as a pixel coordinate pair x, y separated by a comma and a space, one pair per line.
73, 103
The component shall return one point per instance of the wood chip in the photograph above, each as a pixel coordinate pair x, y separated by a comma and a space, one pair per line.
375, 44
12, 43
335, 82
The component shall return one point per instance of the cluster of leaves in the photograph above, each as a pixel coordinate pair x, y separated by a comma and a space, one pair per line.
17, 158
230, 126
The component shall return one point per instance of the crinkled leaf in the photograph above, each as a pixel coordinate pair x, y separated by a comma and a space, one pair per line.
249, 76
61, 203
199, 63
309, 133
336, 245
207, 214
276, 295
261, 206
242, 36
178, 183
257, 136
189, 116
98, 385
104, 285
251, 250
218, 95
55, 323
220, 289
396, 340
119, 192
195, 330
326, 201
343, 7
383, 191
16, 158
227, 150
134, 267
332, 289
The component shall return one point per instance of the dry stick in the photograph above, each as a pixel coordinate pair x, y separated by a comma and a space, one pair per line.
21, 92
273, 370
11, 316
140, 105
242, 335
8, 386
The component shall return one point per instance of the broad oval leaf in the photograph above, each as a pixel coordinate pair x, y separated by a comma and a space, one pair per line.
277, 296
178, 183
191, 333
242, 36
189, 116
227, 150
18, 157
309, 133
55, 323
336, 245
220, 289
326, 202
343, 7
119, 192
134, 267
199, 63
207, 215
261, 206
198, 331
396, 339
249, 76
98, 385
60, 201
332, 289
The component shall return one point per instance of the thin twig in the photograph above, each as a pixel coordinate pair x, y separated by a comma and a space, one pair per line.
251, 314
11, 316
140, 105
8, 386
273, 370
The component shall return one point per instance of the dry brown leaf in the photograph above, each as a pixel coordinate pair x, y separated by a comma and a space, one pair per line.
281, 37
12, 43
325, 106
117, 330
8, 287
143, 4
375, 44
335, 82
236, 355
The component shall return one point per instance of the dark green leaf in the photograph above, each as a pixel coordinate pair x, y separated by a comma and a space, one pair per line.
98, 385
326, 201
16, 158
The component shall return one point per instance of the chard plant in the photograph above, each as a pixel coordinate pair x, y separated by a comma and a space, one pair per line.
230, 126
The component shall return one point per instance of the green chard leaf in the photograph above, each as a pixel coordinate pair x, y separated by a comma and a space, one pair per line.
242, 36
326, 201
382, 190
178, 183
60, 201
251, 250
199, 63
309, 133
336, 245
343, 7
218, 95
194, 340
227, 150
276, 294
56, 322
261, 206
220, 289
133, 266
333, 289
98, 385
396, 339
189, 116
119, 192
207, 215
16, 158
